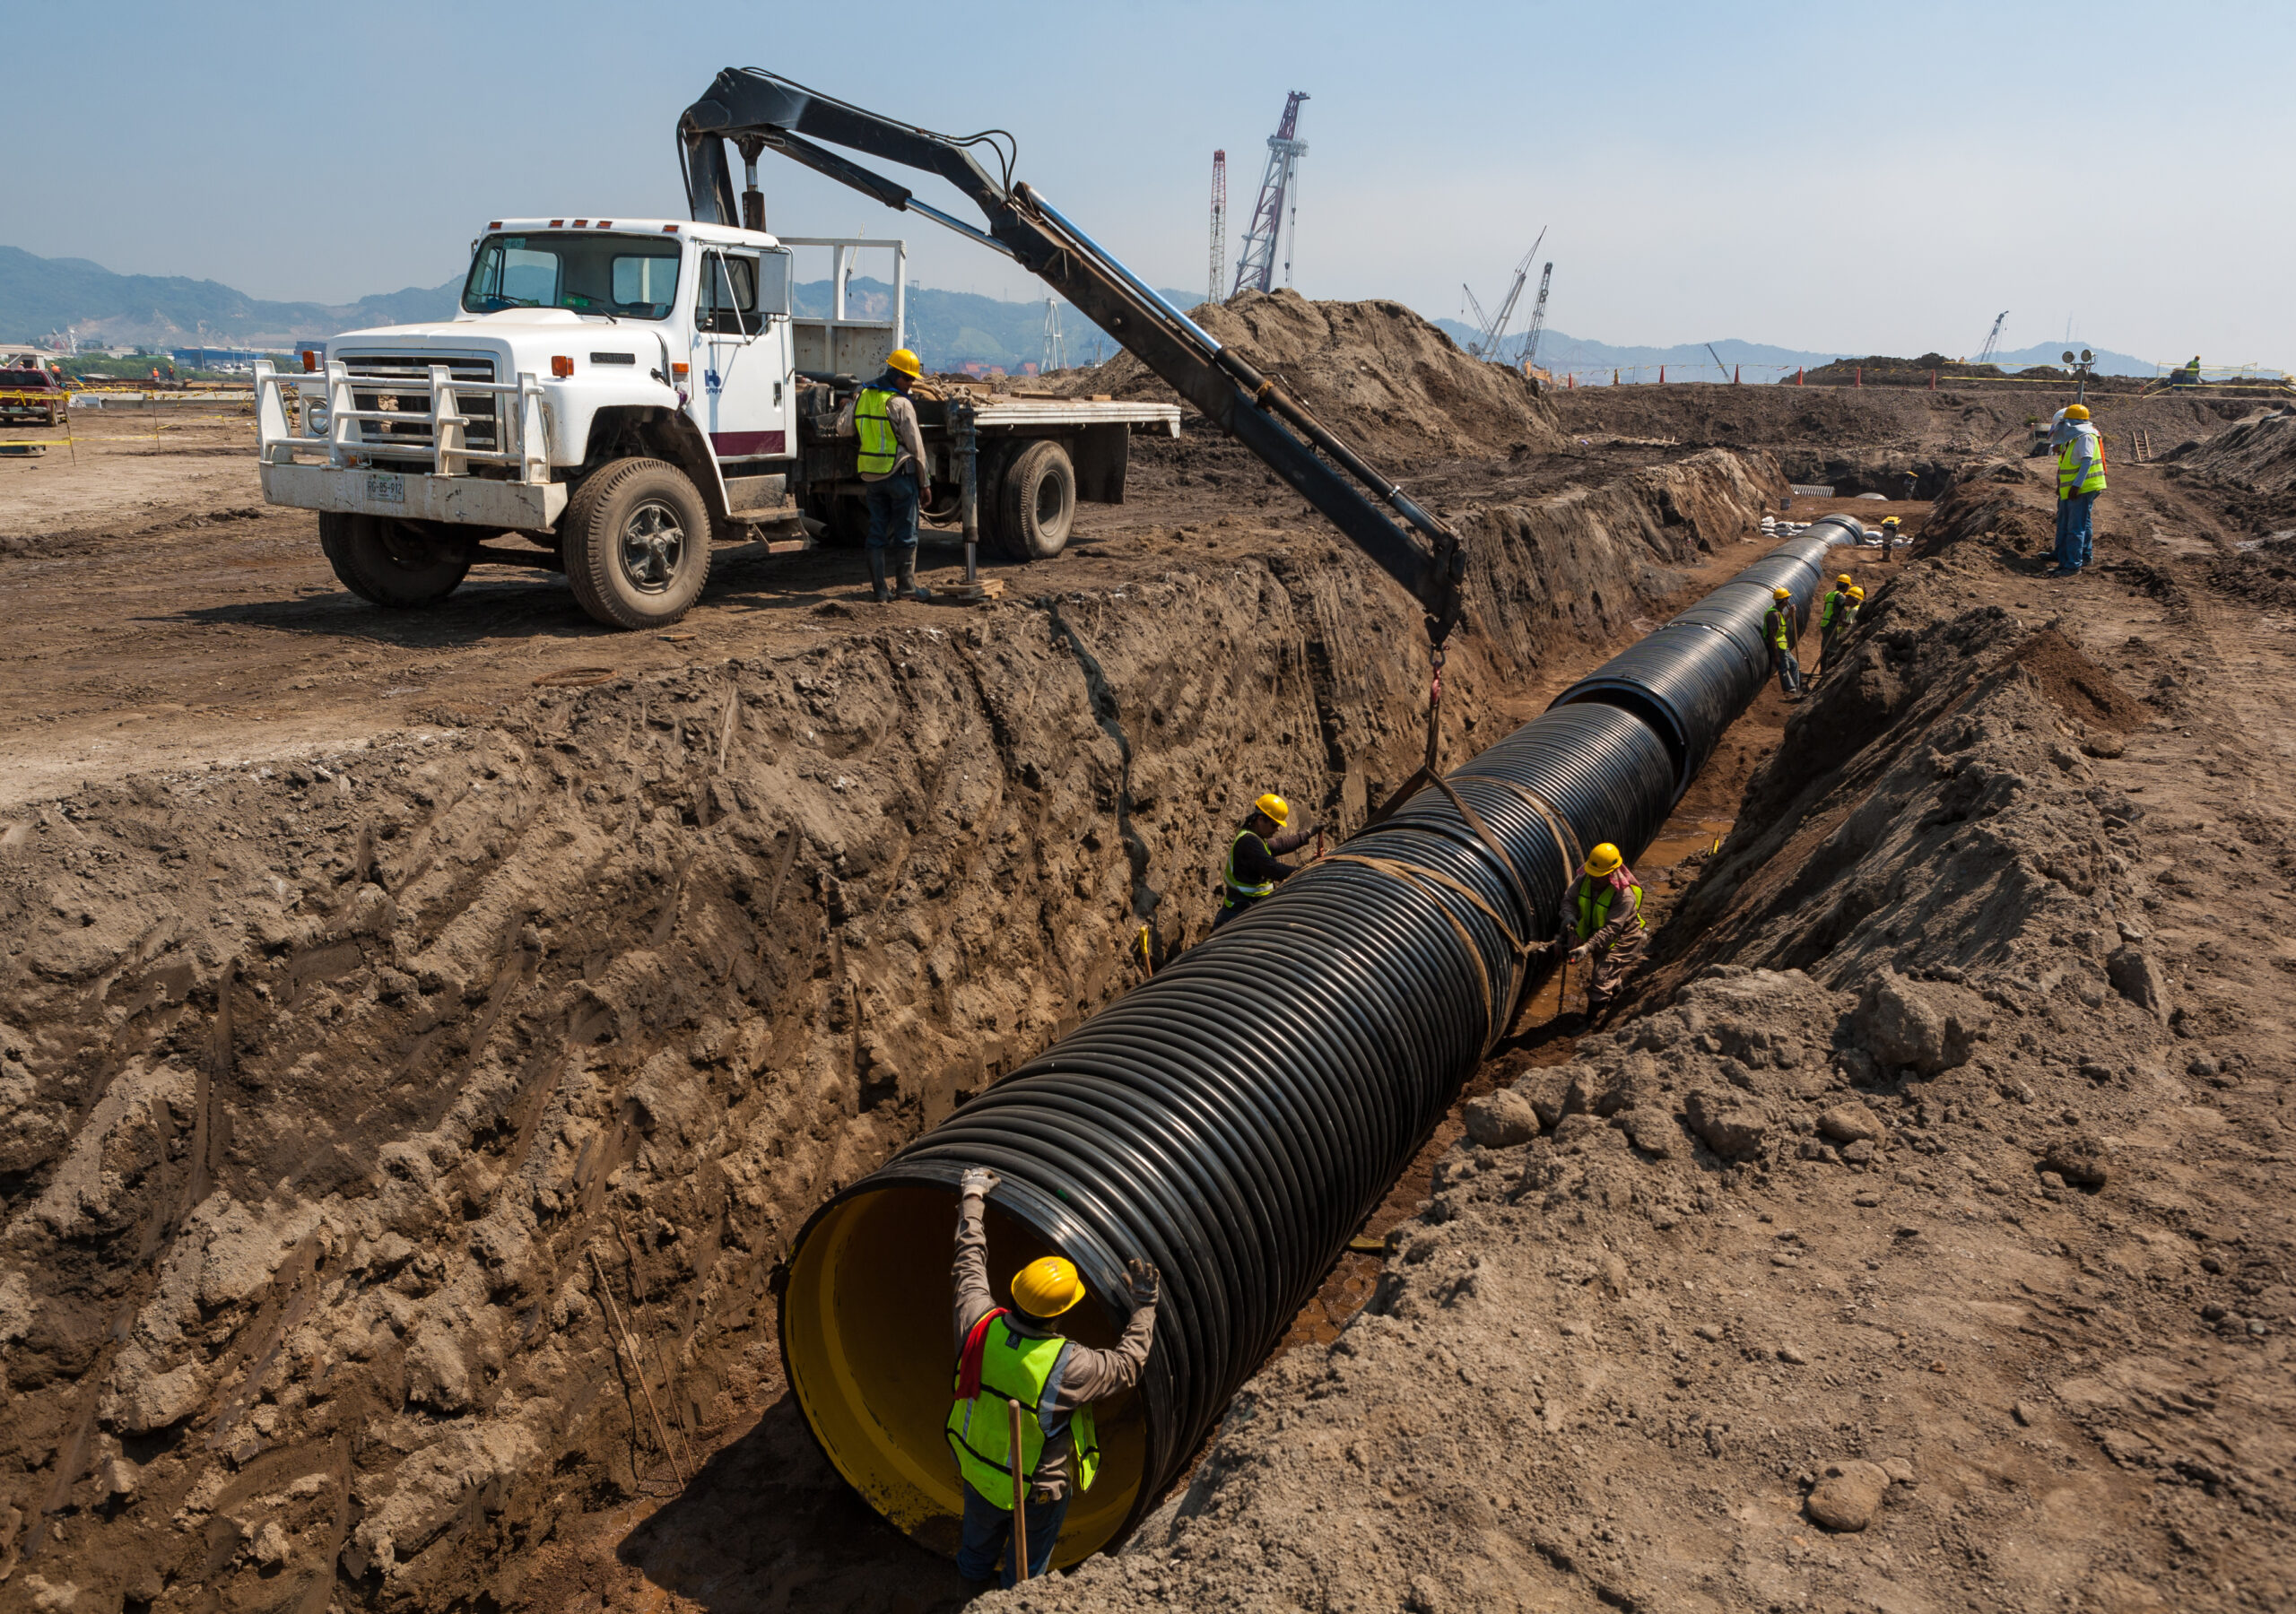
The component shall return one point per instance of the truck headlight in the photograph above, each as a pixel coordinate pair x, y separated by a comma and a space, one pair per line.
315, 420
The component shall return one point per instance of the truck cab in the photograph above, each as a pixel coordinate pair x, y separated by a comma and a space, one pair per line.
615, 396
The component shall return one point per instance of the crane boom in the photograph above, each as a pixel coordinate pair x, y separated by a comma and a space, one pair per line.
1538, 319
758, 110
1992, 338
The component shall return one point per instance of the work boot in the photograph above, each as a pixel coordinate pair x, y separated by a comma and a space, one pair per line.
910, 586
877, 575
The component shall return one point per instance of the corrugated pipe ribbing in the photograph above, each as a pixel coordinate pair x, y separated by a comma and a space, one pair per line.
1236, 1118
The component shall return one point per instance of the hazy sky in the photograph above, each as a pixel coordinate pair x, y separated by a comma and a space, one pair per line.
1854, 178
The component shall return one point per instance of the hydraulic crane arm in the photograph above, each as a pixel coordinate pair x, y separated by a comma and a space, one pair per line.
757, 109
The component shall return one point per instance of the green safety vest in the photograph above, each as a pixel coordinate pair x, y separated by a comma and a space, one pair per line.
1834, 601
1777, 630
880, 448
1236, 888
1016, 1366
1848, 618
2092, 482
1595, 912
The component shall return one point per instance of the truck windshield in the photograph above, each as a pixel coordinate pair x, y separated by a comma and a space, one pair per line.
633, 277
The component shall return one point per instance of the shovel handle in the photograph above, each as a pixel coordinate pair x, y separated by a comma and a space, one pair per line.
1020, 1502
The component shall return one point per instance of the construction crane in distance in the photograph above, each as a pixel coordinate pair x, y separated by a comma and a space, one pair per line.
1219, 225
1055, 346
1992, 338
1538, 319
1257, 267
1492, 328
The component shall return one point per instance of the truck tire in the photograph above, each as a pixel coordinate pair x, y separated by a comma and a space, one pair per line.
395, 564
636, 543
1036, 501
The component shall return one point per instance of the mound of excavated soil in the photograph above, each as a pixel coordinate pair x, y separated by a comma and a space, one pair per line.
1376, 373
1864, 439
2257, 456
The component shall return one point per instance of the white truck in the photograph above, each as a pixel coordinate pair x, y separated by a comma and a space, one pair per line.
615, 396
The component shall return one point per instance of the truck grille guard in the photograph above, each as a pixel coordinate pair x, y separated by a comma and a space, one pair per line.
455, 423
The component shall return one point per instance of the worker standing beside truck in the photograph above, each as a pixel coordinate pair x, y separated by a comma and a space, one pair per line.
893, 472
1008, 1356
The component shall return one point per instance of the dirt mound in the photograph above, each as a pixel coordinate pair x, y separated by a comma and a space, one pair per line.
2257, 456
1864, 440
2081, 690
1375, 372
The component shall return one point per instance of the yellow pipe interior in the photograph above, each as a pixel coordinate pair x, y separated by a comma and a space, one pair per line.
868, 1329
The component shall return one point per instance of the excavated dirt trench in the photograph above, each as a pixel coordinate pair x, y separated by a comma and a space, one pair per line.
336, 1089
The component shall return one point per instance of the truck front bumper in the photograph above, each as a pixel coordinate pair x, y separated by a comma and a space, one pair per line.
415, 496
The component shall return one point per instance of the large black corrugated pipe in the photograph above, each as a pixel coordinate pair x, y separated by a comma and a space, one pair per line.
1690, 677
1232, 1119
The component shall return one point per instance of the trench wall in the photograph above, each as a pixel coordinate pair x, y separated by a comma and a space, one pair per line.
329, 1093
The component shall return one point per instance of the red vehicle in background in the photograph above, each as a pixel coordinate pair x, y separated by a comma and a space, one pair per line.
30, 389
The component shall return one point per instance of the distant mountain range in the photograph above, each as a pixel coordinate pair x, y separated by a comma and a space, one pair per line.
951, 329
41, 295
1757, 361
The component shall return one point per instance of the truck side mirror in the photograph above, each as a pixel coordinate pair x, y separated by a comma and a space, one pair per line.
773, 287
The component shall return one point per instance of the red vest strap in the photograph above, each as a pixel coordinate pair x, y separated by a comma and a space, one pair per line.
969, 1359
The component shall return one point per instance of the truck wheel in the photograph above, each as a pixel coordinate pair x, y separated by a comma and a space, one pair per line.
1036, 502
394, 564
638, 544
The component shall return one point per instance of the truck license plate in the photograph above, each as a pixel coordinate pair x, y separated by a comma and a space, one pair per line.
385, 487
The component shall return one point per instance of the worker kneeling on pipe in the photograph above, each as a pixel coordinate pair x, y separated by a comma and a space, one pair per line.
1255, 864
1015, 1370
1602, 922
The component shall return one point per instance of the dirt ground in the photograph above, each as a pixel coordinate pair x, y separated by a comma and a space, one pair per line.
380, 988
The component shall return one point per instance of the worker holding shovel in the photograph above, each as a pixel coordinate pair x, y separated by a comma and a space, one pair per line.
1022, 1424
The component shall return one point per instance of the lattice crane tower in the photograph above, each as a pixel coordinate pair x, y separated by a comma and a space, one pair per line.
1257, 267
1219, 225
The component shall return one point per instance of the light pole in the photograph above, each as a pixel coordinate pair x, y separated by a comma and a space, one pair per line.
2080, 370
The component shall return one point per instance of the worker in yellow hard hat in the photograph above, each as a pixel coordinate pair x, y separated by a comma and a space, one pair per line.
896, 472
1779, 629
1602, 925
1828, 610
2080, 478
1256, 866
1018, 1354
1842, 607
1892, 535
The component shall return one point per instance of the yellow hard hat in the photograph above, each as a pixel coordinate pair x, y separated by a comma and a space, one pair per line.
1843, 580
1602, 859
2078, 412
1887, 521
1046, 1286
1856, 593
1781, 593
1276, 807
906, 362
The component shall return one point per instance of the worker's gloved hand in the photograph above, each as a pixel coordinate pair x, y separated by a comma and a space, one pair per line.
1144, 1284
978, 1183
1581, 953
